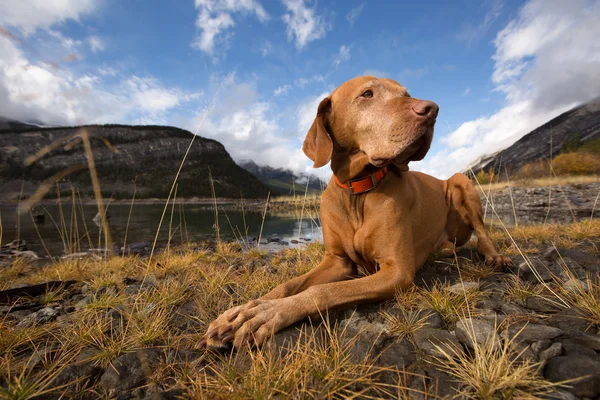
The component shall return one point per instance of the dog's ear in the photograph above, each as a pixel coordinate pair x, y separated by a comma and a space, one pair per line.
318, 145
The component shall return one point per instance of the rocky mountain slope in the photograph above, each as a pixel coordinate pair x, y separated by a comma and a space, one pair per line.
283, 181
547, 140
147, 155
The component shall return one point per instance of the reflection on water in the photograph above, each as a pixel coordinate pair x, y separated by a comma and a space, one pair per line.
188, 222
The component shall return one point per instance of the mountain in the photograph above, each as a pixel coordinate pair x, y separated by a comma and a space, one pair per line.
581, 122
283, 181
147, 155
7, 124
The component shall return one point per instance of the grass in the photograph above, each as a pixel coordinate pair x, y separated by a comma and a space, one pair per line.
488, 373
538, 182
167, 304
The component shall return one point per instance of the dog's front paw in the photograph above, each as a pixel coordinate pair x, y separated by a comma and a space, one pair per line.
498, 262
253, 322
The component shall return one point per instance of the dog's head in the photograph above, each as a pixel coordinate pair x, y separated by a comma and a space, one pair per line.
372, 119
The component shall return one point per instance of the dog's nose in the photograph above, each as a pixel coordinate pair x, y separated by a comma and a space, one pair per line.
426, 108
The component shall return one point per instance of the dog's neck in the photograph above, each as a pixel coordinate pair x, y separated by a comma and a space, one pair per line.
346, 166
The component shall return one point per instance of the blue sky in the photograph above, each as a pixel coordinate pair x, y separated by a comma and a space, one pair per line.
497, 68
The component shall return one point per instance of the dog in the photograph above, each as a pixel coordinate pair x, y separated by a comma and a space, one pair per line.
375, 213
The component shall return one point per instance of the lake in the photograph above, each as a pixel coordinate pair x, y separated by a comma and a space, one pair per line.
189, 222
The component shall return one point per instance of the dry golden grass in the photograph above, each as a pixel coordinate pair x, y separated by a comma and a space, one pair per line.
554, 181
185, 289
532, 238
490, 373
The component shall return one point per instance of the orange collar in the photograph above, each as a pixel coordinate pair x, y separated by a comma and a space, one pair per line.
362, 185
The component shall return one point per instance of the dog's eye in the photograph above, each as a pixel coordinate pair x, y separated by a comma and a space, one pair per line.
367, 93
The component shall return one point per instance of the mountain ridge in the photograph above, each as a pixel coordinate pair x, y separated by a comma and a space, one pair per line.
545, 141
146, 162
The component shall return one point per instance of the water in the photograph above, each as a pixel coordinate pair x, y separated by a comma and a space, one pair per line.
189, 223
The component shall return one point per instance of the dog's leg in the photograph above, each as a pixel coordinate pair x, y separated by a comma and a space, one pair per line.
469, 201
333, 268
257, 320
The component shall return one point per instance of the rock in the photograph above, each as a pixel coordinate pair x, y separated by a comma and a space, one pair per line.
436, 342
553, 351
560, 395
587, 339
573, 348
570, 320
470, 331
462, 287
42, 316
76, 377
397, 354
512, 309
581, 257
572, 367
542, 304
575, 286
529, 271
129, 371
529, 332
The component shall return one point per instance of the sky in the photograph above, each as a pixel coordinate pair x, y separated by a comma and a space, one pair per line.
250, 73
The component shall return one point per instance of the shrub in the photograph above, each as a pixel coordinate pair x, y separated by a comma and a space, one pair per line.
535, 170
592, 146
485, 177
580, 163
571, 145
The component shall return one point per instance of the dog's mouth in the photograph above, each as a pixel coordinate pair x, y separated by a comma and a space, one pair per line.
416, 150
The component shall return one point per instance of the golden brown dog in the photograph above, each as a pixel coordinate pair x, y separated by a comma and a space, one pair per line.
374, 212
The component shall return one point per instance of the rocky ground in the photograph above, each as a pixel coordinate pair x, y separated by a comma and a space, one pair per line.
560, 204
127, 327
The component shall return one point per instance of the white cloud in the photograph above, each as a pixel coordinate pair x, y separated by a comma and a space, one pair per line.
307, 111
303, 24
30, 15
546, 61
266, 48
303, 82
97, 44
215, 18
107, 71
469, 33
467, 91
36, 90
343, 55
282, 90
353, 15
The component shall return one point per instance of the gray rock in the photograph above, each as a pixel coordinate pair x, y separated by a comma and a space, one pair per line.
542, 304
462, 287
129, 371
570, 320
529, 332
553, 351
397, 354
588, 340
529, 271
540, 345
580, 257
575, 286
572, 367
435, 342
42, 316
470, 331
574, 348
76, 377
512, 309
